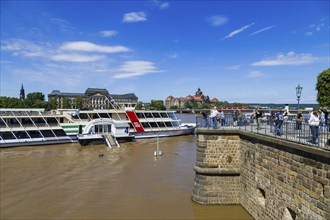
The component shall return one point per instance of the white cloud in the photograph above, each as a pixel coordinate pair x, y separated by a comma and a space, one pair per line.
108, 33
235, 32
217, 20
261, 30
135, 68
164, 5
20, 47
313, 28
76, 58
290, 58
159, 4
134, 17
69, 51
85, 46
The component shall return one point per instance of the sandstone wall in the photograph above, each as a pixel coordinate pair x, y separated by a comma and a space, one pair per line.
270, 178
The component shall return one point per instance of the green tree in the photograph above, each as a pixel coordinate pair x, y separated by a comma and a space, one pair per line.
35, 100
174, 107
79, 102
139, 106
66, 103
157, 105
323, 88
52, 104
187, 105
10, 102
206, 106
194, 105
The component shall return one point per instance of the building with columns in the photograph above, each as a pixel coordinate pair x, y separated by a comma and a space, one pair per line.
93, 98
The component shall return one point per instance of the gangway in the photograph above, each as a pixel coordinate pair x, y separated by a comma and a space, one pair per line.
110, 140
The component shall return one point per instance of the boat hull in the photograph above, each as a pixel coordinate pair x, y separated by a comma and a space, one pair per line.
37, 141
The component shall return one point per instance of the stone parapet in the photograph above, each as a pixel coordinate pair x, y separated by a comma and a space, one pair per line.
269, 177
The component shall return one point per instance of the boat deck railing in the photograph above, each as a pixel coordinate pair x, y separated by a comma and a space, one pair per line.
289, 130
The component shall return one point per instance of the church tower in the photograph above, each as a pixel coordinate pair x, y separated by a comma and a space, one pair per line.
22, 93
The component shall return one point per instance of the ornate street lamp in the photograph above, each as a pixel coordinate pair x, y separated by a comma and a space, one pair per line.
298, 93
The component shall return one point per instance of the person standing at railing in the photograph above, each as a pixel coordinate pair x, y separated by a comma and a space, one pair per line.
240, 118
234, 116
314, 123
213, 118
218, 119
259, 118
222, 118
205, 119
278, 123
299, 119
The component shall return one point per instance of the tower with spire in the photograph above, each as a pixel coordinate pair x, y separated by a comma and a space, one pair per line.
22, 93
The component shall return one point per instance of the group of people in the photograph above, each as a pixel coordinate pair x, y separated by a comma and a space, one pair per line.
216, 118
317, 118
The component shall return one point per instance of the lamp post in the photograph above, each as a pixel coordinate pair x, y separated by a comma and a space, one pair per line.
298, 93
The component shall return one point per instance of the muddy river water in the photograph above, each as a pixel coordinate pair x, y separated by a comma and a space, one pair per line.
73, 182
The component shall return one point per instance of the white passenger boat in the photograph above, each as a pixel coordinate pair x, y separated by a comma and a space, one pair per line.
20, 127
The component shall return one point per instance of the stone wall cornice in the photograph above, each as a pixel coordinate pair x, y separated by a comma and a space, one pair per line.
217, 171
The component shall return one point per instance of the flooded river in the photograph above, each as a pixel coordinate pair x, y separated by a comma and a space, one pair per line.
72, 182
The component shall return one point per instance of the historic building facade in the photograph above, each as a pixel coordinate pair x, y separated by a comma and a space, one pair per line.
199, 98
93, 98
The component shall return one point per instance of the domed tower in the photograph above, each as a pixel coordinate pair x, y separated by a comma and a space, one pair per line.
199, 92
22, 93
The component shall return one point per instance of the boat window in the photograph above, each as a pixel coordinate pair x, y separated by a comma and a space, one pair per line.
51, 121
21, 134
172, 115
145, 125
34, 134
168, 124
13, 121
26, 121
156, 115
47, 133
161, 124
2, 124
148, 115
103, 115
94, 115
61, 120
7, 135
153, 124
83, 116
39, 121
59, 133
98, 128
175, 124
164, 115
130, 125
140, 115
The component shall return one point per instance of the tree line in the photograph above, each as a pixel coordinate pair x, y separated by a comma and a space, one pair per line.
37, 99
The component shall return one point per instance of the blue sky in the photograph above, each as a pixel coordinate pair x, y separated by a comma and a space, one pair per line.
236, 51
